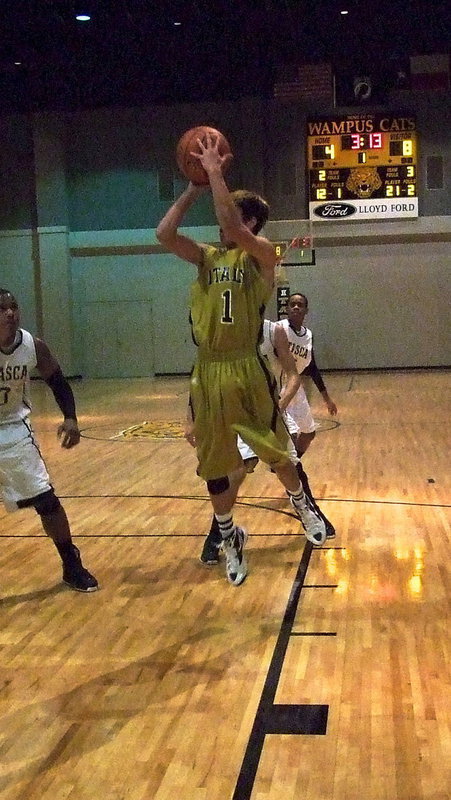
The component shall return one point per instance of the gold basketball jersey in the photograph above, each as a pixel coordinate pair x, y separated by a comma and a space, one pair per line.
228, 300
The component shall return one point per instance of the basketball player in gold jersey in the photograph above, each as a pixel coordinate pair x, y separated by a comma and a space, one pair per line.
231, 389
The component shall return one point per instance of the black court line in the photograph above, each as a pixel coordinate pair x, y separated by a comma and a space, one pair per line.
147, 536
330, 547
321, 585
244, 500
275, 718
297, 719
314, 633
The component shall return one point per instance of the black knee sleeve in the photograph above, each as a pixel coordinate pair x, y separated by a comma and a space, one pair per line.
218, 485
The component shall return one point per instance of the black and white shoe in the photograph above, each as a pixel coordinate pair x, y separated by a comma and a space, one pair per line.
75, 574
330, 530
313, 524
233, 546
210, 552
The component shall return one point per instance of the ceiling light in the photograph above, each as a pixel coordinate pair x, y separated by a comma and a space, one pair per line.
344, 12
83, 17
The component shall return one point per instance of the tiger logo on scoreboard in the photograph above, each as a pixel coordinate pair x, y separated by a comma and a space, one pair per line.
363, 181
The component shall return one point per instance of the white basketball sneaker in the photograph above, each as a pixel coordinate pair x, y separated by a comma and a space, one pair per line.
314, 526
236, 567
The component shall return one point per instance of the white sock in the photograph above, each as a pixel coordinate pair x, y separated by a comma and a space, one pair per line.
298, 496
226, 526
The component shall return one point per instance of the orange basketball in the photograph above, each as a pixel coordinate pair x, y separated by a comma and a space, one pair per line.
188, 164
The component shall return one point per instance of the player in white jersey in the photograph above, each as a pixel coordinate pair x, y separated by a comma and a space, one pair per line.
273, 348
299, 413
24, 480
300, 340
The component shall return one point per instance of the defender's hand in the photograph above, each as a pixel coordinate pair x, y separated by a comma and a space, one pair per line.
69, 433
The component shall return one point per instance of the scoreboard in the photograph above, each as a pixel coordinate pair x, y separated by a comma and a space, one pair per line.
362, 166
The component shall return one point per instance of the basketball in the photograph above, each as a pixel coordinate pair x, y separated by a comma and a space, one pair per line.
191, 166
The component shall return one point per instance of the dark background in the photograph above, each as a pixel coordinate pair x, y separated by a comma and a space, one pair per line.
131, 53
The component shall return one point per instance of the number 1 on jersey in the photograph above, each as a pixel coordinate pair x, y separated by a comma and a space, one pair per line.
227, 307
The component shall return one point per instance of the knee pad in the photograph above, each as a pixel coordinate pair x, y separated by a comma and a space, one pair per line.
218, 485
46, 503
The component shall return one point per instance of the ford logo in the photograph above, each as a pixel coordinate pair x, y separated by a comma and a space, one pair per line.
334, 210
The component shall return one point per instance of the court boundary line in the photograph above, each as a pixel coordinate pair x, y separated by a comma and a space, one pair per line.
273, 718
243, 501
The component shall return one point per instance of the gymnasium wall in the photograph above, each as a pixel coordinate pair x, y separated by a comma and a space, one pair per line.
81, 195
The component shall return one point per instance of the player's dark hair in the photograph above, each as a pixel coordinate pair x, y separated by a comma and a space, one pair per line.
6, 293
252, 205
299, 294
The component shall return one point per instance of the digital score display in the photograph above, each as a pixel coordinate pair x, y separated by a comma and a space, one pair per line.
299, 254
362, 166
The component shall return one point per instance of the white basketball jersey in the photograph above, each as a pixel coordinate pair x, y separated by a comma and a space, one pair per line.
300, 344
267, 347
267, 350
15, 369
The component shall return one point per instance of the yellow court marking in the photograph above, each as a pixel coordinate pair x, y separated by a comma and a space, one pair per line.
153, 430
157, 429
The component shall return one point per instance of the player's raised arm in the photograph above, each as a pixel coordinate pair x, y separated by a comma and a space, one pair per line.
234, 227
167, 231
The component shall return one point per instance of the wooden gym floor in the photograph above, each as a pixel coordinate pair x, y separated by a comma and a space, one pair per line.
325, 676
